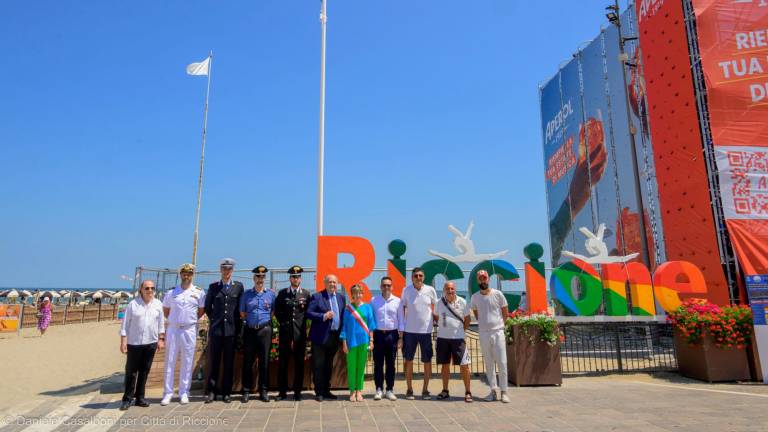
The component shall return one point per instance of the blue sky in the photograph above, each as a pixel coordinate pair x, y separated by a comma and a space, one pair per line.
432, 119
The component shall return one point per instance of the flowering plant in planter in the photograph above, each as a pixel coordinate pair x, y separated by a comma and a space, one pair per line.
730, 326
275, 339
549, 331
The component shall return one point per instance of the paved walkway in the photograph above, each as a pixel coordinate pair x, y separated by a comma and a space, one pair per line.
619, 403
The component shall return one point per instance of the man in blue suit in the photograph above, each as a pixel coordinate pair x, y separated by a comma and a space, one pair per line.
326, 309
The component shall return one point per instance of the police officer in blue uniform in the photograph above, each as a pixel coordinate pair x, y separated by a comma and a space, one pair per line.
222, 306
290, 309
256, 308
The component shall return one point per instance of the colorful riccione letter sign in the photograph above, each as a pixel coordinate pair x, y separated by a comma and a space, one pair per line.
671, 279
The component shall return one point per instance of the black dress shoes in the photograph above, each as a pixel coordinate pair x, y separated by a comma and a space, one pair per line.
330, 396
264, 397
125, 405
141, 403
319, 398
246, 396
297, 397
282, 396
210, 398
227, 399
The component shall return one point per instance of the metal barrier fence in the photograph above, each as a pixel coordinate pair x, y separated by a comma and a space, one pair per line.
71, 314
598, 348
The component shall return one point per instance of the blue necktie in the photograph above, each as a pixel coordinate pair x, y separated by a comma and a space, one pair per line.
335, 309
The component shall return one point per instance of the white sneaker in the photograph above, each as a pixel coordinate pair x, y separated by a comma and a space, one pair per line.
378, 395
391, 396
491, 396
166, 400
184, 399
504, 397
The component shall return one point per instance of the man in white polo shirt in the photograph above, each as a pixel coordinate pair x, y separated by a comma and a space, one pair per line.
452, 320
490, 307
417, 307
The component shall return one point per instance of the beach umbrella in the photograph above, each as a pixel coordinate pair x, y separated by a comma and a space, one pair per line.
66, 294
62, 292
51, 294
25, 293
4, 293
12, 294
97, 295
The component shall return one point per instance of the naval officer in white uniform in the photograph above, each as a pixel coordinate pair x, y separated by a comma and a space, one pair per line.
182, 306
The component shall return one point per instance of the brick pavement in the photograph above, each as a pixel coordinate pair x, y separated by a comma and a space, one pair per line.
613, 403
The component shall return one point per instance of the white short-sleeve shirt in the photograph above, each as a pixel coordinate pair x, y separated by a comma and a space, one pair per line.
488, 310
448, 325
183, 304
417, 309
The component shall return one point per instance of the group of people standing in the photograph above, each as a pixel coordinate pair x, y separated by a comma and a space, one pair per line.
383, 327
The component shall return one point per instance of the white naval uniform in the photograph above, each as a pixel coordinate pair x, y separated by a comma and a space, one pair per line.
181, 335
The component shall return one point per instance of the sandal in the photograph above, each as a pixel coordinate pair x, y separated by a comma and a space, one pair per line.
468, 397
443, 395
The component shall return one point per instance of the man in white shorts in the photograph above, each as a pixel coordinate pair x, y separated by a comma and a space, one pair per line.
490, 307
183, 306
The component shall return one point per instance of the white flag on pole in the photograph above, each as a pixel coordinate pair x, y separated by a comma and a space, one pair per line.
199, 68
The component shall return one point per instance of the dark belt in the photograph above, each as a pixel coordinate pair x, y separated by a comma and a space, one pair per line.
259, 327
385, 331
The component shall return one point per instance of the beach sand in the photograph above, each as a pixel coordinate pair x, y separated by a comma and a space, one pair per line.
69, 360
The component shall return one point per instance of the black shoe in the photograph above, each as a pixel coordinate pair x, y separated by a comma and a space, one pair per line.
125, 405
319, 398
282, 396
330, 396
227, 399
297, 397
141, 403
264, 397
210, 398
245, 398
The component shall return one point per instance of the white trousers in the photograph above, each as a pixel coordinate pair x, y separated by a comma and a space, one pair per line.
179, 341
494, 347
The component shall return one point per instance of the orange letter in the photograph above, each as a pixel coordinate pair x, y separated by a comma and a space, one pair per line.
328, 250
667, 286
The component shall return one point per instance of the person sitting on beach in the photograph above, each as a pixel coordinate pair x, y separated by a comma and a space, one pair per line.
141, 333
358, 324
44, 315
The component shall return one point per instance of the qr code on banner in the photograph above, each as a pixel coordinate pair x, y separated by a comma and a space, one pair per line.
746, 176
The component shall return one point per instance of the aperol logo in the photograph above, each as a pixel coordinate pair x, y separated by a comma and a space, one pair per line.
608, 286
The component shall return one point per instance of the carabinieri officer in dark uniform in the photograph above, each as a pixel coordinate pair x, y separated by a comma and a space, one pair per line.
256, 308
290, 309
222, 306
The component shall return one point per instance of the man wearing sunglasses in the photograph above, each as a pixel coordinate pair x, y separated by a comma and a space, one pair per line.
386, 311
490, 308
141, 333
182, 306
290, 310
417, 307
256, 308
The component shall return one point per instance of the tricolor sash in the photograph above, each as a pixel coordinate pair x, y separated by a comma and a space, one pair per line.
358, 318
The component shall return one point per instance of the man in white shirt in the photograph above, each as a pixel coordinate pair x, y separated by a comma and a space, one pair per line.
417, 307
490, 307
452, 320
182, 306
141, 333
386, 311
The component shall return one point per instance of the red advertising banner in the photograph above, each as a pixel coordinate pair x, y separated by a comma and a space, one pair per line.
689, 228
733, 43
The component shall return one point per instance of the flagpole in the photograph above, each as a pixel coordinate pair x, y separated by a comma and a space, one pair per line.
320, 170
202, 160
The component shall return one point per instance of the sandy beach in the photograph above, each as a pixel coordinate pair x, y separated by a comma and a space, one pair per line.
55, 365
